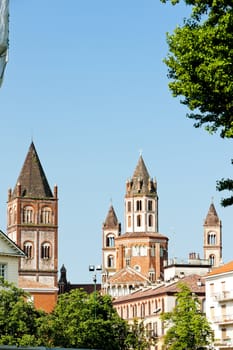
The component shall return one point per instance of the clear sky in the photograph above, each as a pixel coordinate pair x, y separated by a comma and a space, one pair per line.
87, 83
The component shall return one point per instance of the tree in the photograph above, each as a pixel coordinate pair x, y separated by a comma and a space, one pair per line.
137, 337
86, 321
200, 66
19, 320
226, 184
187, 327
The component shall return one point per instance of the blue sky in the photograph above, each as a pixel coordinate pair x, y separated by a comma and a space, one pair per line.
86, 81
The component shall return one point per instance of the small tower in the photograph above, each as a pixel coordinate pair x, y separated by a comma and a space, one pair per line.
137, 257
63, 285
111, 229
213, 237
142, 247
141, 201
32, 223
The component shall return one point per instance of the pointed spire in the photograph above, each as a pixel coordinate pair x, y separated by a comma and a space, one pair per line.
212, 216
32, 181
141, 170
111, 220
63, 275
141, 181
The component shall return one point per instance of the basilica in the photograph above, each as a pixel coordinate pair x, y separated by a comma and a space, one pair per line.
138, 257
131, 259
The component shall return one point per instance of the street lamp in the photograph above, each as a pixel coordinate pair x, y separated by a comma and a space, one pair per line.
93, 268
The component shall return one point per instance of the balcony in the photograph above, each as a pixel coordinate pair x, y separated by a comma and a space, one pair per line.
224, 296
224, 319
224, 343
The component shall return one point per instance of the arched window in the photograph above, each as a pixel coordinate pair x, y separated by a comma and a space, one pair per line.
46, 215
162, 305
110, 241
142, 310
129, 221
150, 220
136, 250
15, 215
10, 214
129, 206
212, 260
151, 275
152, 250
28, 215
150, 205
134, 310
212, 238
110, 261
139, 220
138, 205
143, 251
46, 250
149, 308
28, 249
127, 311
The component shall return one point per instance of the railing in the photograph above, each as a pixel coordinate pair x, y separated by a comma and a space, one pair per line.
223, 296
224, 319
223, 342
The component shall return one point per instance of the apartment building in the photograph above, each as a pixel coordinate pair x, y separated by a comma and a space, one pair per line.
219, 305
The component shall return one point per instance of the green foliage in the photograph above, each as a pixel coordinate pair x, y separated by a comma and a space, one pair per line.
226, 184
19, 320
200, 66
187, 328
81, 320
137, 337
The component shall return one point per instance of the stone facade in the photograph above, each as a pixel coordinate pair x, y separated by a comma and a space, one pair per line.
32, 222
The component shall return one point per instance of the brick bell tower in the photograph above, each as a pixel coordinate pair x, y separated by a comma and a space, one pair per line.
136, 257
142, 247
32, 223
213, 237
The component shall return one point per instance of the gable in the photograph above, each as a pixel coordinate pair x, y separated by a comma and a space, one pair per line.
128, 275
8, 247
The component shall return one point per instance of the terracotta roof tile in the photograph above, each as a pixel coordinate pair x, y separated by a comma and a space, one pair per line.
143, 234
192, 282
128, 275
222, 269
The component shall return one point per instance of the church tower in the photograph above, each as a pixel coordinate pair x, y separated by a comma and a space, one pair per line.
111, 229
32, 223
213, 237
142, 247
139, 254
141, 201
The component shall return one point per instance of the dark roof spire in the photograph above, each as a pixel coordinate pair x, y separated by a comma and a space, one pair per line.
32, 179
212, 216
111, 220
141, 183
141, 170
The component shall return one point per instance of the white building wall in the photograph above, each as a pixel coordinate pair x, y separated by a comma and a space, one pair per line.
179, 270
12, 268
219, 308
